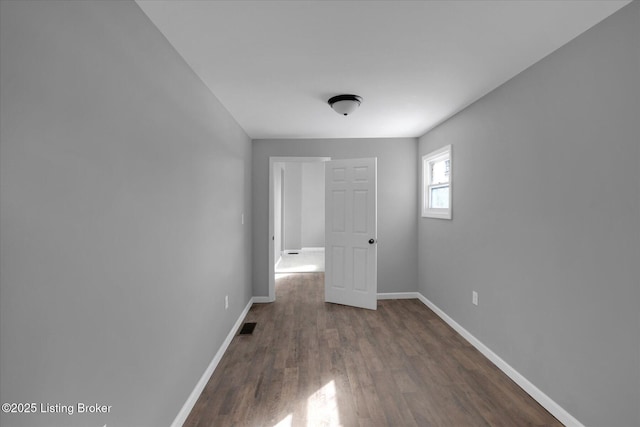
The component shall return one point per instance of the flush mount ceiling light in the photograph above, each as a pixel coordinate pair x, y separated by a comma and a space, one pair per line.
345, 104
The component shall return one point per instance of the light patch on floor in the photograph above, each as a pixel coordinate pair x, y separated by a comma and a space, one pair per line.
286, 422
322, 407
307, 260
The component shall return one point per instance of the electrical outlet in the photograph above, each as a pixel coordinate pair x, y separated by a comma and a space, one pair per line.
226, 302
474, 297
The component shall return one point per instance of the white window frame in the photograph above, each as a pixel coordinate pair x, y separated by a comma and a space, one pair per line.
435, 156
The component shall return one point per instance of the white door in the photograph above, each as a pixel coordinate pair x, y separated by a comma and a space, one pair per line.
351, 233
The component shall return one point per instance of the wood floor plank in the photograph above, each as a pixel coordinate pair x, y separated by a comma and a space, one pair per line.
313, 363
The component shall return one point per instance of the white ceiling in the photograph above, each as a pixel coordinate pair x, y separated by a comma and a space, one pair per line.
274, 64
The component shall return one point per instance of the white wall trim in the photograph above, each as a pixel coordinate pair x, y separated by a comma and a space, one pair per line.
262, 300
549, 404
398, 295
195, 394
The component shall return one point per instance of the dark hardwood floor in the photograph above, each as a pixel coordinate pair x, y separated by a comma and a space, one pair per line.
318, 364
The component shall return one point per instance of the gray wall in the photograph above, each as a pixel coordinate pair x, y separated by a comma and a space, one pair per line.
292, 206
123, 181
313, 205
278, 172
304, 205
397, 203
546, 223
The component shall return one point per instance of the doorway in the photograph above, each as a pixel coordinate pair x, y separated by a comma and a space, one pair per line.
296, 216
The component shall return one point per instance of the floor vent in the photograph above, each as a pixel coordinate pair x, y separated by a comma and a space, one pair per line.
247, 328
293, 253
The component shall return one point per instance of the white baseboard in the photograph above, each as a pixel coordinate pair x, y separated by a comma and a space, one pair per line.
261, 300
549, 404
398, 295
195, 394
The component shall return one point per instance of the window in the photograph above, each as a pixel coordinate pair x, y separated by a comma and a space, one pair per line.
436, 183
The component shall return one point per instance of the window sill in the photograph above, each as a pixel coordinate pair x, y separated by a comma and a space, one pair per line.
439, 214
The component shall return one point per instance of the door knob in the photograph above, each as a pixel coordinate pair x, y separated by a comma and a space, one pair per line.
371, 241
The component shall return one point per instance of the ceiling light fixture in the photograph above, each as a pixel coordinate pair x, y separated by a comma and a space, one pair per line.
345, 104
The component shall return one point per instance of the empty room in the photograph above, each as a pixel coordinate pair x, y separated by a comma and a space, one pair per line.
306, 213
